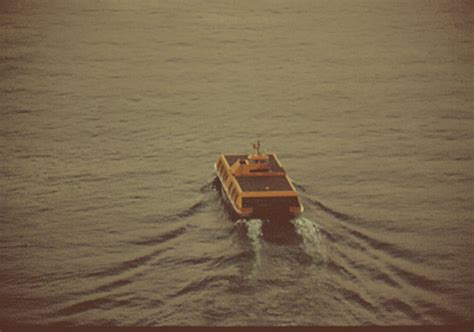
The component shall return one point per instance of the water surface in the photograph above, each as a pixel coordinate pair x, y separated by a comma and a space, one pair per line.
113, 112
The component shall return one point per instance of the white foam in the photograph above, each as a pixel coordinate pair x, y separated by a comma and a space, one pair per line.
311, 235
254, 233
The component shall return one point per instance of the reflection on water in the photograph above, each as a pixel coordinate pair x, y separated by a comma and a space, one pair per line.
113, 113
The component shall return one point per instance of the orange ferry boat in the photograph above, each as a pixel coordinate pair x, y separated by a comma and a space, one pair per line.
257, 185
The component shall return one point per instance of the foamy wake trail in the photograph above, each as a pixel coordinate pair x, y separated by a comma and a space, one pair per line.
311, 235
254, 233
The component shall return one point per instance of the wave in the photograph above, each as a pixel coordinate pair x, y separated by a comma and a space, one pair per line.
359, 239
354, 234
188, 212
160, 238
204, 202
298, 186
122, 267
254, 234
395, 305
338, 215
211, 185
86, 305
233, 260
420, 281
391, 249
205, 284
94, 303
311, 236
354, 296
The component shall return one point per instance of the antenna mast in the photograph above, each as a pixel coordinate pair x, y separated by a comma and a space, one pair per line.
257, 147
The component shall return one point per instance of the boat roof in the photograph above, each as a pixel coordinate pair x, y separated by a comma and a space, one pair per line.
262, 183
274, 167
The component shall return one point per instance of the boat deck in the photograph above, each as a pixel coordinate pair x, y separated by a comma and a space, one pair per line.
262, 183
271, 161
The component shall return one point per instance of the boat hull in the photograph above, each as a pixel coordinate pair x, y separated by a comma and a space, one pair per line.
228, 199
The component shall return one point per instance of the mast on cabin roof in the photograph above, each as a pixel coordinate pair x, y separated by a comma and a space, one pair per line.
257, 147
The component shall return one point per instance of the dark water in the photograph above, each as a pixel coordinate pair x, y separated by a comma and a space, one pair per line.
113, 112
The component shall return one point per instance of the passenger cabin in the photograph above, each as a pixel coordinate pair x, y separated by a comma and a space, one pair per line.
257, 185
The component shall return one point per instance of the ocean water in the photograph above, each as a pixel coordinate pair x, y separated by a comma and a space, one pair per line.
113, 113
